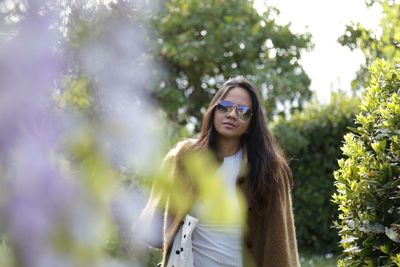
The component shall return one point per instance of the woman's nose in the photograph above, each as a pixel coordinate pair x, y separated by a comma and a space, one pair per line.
233, 112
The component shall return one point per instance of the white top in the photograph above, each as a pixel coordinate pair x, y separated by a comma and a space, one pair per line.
216, 243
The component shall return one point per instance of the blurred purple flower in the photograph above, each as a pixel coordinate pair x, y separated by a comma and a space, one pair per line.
114, 60
34, 190
29, 66
37, 200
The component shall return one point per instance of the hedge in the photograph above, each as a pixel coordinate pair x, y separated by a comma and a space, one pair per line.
368, 180
311, 140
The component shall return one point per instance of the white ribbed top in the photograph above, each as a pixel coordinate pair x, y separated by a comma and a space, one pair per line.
216, 244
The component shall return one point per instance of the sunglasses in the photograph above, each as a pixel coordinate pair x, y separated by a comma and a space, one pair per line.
243, 111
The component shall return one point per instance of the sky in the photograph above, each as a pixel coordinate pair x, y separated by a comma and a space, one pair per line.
329, 65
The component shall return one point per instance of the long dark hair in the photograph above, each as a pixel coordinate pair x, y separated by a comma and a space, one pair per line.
267, 165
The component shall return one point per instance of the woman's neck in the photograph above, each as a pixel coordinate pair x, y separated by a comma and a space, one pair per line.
227, 147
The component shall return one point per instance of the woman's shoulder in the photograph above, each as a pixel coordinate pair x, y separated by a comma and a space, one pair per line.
181, 147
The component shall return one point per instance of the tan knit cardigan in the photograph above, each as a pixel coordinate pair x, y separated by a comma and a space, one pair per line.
270, 239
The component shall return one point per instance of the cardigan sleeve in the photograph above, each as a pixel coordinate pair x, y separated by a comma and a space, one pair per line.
280, 248
149, 226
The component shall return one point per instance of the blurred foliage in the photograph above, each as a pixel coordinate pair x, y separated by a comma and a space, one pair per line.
6, 253
383, 44
76, 95
216, 199
368, 180
311, 141
202, 43
89, 165
171, 185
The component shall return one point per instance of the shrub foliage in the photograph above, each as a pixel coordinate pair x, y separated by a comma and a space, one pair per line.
368, 180
311, 140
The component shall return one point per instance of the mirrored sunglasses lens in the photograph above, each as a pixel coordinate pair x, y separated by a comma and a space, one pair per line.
222, 108
244, 113
226, 104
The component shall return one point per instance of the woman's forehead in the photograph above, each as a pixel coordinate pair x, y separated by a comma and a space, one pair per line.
239, 96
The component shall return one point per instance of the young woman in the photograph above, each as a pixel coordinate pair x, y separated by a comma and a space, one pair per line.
235, 132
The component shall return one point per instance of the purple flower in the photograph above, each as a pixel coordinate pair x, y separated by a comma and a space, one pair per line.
48, 210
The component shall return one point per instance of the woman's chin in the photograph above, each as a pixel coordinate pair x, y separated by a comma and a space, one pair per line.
229, 134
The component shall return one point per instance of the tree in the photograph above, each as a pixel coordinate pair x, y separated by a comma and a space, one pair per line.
203, 42
385, 45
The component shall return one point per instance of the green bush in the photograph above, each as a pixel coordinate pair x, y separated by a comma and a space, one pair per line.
368, 180
311, 140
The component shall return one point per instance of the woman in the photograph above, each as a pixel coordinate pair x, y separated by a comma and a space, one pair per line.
235, 132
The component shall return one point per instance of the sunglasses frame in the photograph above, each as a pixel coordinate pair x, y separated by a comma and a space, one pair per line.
225, 106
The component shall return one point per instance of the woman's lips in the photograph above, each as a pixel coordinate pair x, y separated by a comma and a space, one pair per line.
229, 125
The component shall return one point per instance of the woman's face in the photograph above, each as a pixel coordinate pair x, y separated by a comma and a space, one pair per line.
229, 124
